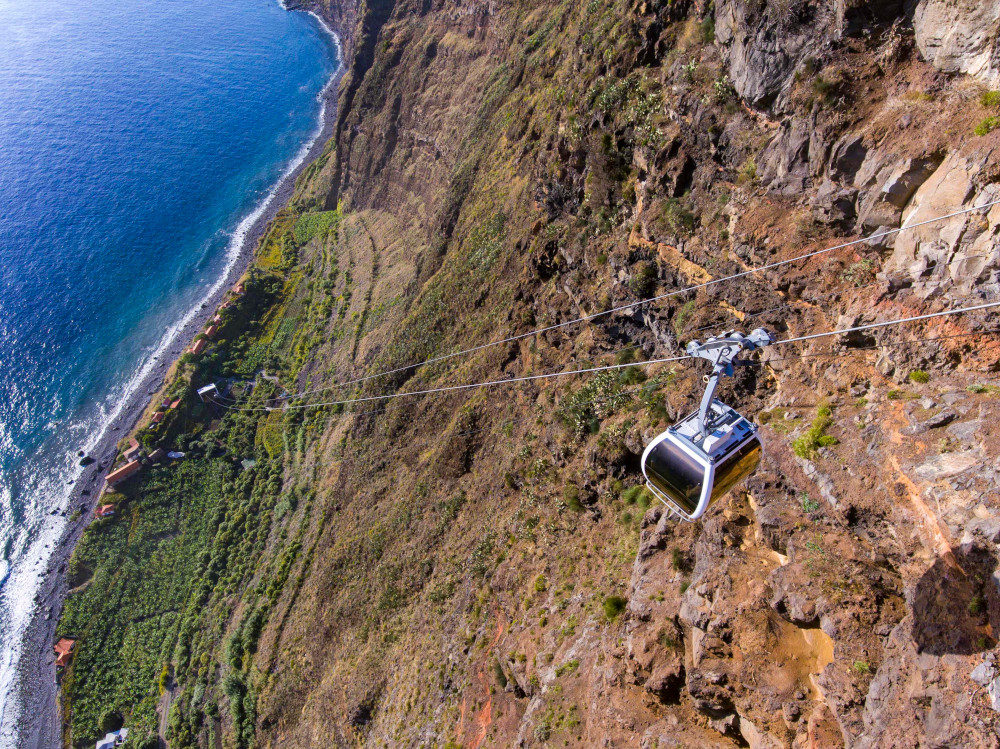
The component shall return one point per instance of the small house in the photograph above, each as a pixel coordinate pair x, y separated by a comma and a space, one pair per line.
157, 455
198, 346
126, 471
175, 404
105, 511
64, 649
208, 392
134, 452
238, 289
210, 331
112, 739
157, 417
165, 404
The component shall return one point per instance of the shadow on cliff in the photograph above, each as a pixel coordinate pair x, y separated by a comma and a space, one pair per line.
956, 610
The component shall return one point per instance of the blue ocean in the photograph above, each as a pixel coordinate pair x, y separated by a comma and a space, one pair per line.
136, 138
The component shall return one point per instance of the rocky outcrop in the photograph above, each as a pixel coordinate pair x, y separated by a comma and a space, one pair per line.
960, 36
956, 258
764, 43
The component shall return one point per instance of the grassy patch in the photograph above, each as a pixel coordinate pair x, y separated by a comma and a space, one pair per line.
987, 126
816, 437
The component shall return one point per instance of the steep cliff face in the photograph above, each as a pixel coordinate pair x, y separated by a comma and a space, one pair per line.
482, 567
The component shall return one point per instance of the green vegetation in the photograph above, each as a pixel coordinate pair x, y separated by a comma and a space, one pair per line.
747, 174
638, 495
990, 99
808, 503
816, 437
919, 376
568, 667
571, 496
860, 273
861, 667
987, 126
643, 282
682, 316
613, 606
981, 389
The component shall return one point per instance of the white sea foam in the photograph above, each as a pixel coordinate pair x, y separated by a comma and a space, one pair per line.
24, 574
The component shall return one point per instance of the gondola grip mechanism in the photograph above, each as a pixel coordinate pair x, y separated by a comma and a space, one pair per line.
722, 351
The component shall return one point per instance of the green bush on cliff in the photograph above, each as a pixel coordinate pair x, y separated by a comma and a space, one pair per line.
816, 437
987, 126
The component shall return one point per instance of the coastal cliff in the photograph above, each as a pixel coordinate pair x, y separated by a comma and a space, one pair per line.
483, 567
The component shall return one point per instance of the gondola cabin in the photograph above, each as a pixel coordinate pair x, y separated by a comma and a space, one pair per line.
689, 470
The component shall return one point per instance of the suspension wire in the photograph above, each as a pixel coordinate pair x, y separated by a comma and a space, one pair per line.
792, 302
786, 305
869, 347
631, 392
886, 323
469, 386
590, 370
630, 305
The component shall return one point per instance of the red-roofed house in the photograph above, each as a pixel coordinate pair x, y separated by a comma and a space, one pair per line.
165, 404
64, 648
105, 511
198, 346
238, 289
210, 331
129, 469
175, 404
158, 417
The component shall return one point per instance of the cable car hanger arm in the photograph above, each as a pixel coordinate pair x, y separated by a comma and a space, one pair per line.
722, 352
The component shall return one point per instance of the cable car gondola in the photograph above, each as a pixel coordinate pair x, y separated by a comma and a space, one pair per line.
703, 456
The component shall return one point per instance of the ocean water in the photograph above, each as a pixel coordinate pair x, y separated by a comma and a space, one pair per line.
135, 137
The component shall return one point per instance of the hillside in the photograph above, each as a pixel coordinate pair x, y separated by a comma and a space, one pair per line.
483, 568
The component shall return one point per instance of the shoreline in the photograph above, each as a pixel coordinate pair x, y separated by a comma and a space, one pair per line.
35, 684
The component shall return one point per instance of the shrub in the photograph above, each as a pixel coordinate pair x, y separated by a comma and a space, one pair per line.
808, 504
860, 273
568, 667
541, 584
571, 496
990, 99
816, 436
501, 677
861, 667
111, 720
919, 375
643, 280
747, 175
987, 126
682, 316
708, 30
977, 605
678, 217
613, 607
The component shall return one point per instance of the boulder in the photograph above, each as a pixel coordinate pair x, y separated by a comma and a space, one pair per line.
960, 36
